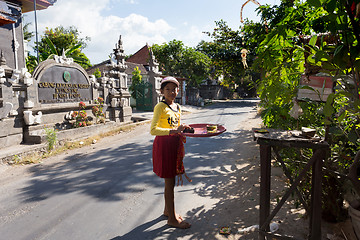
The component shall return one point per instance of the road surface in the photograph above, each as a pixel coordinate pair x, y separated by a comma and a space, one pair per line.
108, 190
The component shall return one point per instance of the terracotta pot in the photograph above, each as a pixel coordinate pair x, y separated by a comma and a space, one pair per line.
354, 212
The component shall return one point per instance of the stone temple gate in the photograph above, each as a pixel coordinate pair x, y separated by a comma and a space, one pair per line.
46, 99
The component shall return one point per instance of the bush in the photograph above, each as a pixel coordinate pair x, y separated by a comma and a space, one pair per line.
80, 117
98, 110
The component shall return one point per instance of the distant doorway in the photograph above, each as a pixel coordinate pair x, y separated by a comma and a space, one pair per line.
144, 96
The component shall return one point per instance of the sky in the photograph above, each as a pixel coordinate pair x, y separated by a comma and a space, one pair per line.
141, 22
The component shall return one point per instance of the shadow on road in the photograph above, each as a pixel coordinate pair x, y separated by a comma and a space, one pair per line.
102, 174
231, 177
142, 232
227, 171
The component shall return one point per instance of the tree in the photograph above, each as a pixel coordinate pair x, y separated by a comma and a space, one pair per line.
135, 81
309, 37
27, 34
97, 73
225, 53
177, 60
59, 40
333, 50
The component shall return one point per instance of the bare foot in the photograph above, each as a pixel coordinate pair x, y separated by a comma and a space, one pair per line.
178, 216
179, 224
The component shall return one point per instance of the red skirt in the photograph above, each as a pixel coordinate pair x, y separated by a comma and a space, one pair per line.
165, 152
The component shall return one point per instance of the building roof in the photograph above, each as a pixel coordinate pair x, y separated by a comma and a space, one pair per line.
141, 57
132, 66
10, 11
102, 67
5, 20
28, 5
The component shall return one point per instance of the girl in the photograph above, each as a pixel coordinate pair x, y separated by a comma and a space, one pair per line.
168, 148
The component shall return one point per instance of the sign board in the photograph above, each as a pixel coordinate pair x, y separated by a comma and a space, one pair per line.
59, 84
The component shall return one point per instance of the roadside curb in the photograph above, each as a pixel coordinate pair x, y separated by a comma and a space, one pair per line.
9, 154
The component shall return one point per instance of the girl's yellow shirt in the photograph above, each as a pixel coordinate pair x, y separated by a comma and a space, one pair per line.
164, 119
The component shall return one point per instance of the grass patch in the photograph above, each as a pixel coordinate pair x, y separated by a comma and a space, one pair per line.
40, 155
32, 158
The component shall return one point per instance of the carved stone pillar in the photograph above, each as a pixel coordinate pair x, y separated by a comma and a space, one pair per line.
119, 95
154, 78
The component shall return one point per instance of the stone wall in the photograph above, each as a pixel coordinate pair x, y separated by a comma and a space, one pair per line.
47, 99
11, 44
14, 89
14, 78
211, 91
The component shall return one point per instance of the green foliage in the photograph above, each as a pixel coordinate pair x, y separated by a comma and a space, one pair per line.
175, 59
285, 51
16, 159
62, 38
58, 41
136, 80
291, 48
225, 53
51, 137
27, 35
31, 63
97, 73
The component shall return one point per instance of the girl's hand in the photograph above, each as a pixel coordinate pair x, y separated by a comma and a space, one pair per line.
182, 127
179, 129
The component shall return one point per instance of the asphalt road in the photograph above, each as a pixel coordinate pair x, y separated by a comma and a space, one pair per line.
108, 190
